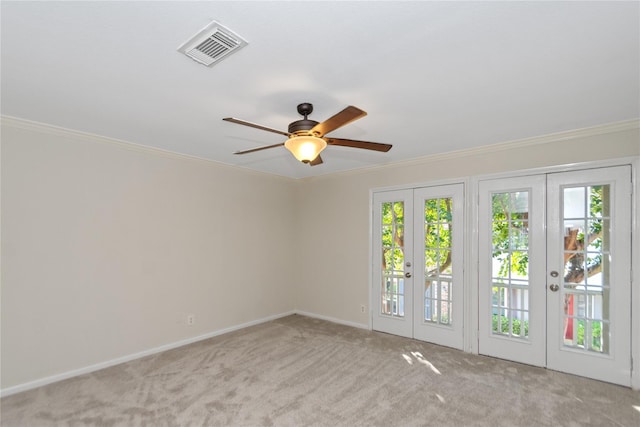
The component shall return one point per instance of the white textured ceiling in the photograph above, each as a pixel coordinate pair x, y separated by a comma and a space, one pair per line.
433, 76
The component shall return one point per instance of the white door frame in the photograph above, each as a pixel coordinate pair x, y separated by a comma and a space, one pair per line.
545, 291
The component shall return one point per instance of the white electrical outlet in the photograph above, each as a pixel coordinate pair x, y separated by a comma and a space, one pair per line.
191, 319
362, 308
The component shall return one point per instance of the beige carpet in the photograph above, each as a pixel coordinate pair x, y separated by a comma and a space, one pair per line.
298, 371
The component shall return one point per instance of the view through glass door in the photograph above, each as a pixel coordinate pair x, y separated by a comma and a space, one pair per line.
589, 273
392, 262
512, 268
418, 263
559, 298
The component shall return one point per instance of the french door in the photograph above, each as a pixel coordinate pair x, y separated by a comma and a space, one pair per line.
555, 271
511, 269
418, 263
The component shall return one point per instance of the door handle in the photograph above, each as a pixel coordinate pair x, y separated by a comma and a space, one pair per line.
407, 274
554, 287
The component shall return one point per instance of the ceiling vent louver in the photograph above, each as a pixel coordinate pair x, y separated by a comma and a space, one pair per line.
212, 44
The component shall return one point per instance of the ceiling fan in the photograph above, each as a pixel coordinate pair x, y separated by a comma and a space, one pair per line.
306, 138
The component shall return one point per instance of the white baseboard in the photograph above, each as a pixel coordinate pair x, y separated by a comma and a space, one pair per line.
332, 319
106, 364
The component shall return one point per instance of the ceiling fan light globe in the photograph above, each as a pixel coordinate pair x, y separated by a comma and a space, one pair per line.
305, 148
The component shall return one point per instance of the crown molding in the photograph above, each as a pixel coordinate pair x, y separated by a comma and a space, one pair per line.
608, 128
48, 129
604, 129
53, 130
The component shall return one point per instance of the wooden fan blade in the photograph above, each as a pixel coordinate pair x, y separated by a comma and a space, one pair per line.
345, 116
359, 144
259, 148
316, 161
254, 125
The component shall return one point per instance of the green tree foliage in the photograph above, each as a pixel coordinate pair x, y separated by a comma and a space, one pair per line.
438, 236
511, 231
510, 238
516, 326
393, 235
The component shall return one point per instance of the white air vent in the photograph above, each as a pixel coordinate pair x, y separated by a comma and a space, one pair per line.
212, 44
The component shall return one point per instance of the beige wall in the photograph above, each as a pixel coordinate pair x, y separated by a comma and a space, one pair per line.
336, 282
106, 248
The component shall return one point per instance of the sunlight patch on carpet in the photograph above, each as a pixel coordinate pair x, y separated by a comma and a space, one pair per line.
420, 358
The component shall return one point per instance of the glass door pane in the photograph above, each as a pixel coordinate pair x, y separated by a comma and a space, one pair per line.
439, 272
510, 264
586, 224
437, 252
393, 259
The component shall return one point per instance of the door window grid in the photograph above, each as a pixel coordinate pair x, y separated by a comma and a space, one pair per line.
510, 264
586, 285
438, 255
393, 296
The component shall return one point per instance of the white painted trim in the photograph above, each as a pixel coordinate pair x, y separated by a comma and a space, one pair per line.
471, 267
332, 319
108, 363
81, 136
435, 183
474, 179
635, 275
48, 129
634, 161
621, 126
569, 167
494, 148
370, 288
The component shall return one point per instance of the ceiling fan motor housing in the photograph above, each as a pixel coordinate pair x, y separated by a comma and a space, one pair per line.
302, 125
